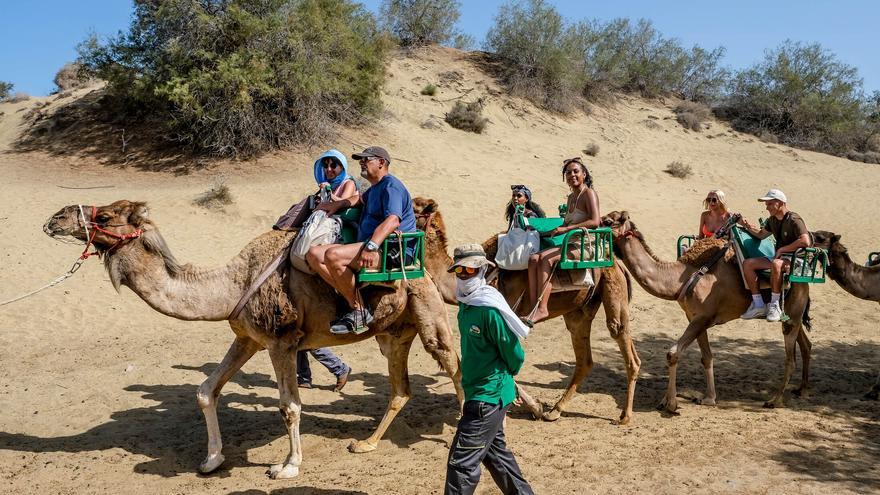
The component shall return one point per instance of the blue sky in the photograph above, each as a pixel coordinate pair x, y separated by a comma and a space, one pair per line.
37, 38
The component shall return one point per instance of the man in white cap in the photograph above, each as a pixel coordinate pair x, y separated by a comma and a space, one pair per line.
790, 233
491, 355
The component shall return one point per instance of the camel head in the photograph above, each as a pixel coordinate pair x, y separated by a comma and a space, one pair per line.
427, 214
828, 241
619, 223
106, 225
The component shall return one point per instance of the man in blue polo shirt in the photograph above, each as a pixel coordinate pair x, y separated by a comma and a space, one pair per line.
387, 208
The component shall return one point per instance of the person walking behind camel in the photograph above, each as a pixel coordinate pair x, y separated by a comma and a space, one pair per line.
790, 232
490, 357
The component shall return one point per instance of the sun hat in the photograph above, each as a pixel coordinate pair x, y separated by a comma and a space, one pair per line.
774, 194
469, 256
373, 152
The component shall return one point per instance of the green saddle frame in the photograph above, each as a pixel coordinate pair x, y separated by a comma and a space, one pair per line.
603, 252
808, 264
386, 272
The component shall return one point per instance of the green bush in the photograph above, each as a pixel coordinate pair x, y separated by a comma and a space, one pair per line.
5, 90
804, 96
239, 77
429, 90
691, 115
467, 116
422, 22
68, 77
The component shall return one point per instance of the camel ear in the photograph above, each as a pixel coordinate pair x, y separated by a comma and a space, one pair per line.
835, 238
139, 214
430, 206
624, 216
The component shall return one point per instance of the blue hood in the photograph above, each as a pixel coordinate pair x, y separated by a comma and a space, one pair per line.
319, 170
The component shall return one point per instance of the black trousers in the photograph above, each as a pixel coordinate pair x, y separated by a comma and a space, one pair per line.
480, 439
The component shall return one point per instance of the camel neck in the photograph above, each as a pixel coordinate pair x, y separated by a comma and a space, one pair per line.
659, 278
437, 261
854, 278
184, 293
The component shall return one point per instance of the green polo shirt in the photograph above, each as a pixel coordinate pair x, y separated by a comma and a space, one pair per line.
490, 355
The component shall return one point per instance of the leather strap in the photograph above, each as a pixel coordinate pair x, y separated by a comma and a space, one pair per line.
278, 264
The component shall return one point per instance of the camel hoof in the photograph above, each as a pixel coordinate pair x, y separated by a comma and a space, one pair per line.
283, 471
669, 406
803, 393
552, 415
623, 421
361, 447
774, 404
211, 463
705, 401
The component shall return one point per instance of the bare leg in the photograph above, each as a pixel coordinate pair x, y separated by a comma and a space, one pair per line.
697, 326
543, 287
241, 350
291, 410
396, 350
316, 260
706, 358
338, 259
534, 261
579, 325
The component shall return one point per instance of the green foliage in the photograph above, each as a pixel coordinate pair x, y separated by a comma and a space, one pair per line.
806, 97
239, 77
467, 116
429, 90
691, 115
5, 90
422, 22
553, 63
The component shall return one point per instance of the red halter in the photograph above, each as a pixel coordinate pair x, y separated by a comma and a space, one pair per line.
120, 238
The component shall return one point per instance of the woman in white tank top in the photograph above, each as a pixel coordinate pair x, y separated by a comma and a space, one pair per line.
583, 212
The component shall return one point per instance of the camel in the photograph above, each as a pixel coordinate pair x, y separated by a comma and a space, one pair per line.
718, 297
860, 281
577, 307
290, 312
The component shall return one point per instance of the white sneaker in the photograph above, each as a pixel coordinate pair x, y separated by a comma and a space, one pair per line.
754, 312
774, 312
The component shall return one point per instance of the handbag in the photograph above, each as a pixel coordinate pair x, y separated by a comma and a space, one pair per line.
318, 230
515, 247
296, 215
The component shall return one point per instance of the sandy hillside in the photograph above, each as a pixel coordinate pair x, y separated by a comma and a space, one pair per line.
97, 391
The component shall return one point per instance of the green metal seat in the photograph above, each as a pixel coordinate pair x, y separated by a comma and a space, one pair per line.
389, 270
602, 256
683, 244
807, 267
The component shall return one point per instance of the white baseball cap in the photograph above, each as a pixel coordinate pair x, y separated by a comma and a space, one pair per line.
774, 194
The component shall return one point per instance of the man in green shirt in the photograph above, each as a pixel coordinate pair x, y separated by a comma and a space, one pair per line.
491, 355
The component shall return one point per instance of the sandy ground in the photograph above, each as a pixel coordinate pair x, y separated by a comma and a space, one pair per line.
97, 391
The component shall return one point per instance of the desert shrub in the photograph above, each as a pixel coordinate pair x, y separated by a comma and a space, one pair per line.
422, 22
873, 143
867, 157
239, 77
768, 137
18, 97
467, 116
691, 115
536, 53
679, 170
805, 96
5, 90
592, 149
69, 77
429, 90
217, 196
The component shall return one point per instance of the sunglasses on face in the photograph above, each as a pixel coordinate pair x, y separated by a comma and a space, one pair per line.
331, 165
711, 200
367, 159
465, 269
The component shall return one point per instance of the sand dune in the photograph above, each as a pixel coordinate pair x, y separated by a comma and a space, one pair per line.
98, 391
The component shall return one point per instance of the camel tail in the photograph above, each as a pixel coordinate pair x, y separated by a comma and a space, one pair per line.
807, 319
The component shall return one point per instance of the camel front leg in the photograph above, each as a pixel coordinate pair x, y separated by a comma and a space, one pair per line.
616, 304
579, 324
241, 350
396, 350
791, 329
284, 362
805, 345
697, 326
706, 358
436, 335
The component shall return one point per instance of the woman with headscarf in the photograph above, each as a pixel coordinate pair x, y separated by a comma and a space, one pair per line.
331, 170
521, 196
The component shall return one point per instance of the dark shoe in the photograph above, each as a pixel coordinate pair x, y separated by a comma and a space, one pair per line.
355, 321
341, 380
304, 385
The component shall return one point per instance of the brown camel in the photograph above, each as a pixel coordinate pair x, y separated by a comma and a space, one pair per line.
718, 297
290, 312
860, 281
577, 307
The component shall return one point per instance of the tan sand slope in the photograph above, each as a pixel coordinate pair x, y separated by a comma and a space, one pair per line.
97, 392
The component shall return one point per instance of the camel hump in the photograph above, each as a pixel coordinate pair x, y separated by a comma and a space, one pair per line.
703, 250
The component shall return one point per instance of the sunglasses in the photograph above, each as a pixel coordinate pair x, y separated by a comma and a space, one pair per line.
514, 187
331, 165
367, 159
576, 159
465, 269
711, 200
